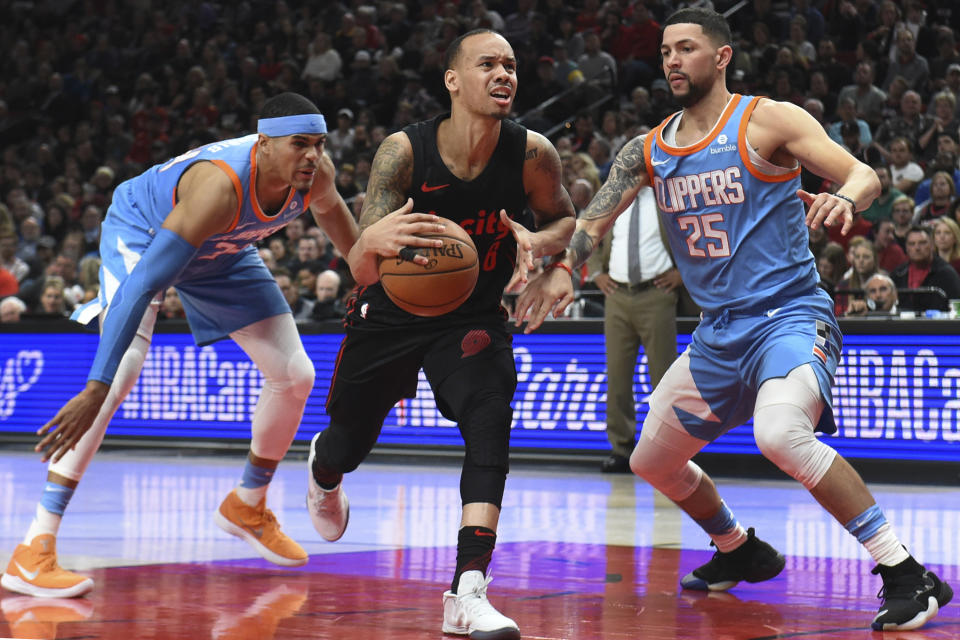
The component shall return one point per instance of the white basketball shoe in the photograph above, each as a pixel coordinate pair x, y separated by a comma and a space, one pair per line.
329, 510
469, 613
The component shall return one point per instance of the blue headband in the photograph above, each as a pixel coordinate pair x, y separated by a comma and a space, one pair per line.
308, 123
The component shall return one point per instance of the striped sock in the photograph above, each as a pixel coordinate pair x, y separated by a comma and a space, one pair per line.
724, 529
874, 533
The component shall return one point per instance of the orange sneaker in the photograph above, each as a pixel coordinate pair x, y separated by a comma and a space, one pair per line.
258, 526
36, 618
260, 620
33, 570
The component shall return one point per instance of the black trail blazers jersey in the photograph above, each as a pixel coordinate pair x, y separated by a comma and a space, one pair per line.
476, 206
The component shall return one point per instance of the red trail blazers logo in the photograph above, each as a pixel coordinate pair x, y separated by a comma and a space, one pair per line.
474, 342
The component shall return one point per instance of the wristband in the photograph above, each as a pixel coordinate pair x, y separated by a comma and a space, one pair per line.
850, 200
562, 265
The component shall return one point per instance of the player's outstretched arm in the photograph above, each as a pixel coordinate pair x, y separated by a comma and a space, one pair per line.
552, 291
329, 210
387, 221
805, 139
551, 205
208, 204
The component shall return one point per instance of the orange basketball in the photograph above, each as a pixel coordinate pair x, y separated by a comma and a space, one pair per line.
440, 286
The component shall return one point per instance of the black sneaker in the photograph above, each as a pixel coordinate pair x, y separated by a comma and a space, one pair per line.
911, 596
753, 561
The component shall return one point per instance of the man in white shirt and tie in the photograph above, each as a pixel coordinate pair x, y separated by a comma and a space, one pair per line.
635, 272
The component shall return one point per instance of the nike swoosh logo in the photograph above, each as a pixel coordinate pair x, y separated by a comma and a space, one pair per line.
773, 312
484, 533
657, 164
257, 532
29, 575
427, 189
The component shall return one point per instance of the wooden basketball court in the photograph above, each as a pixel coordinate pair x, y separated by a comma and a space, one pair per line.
580, 556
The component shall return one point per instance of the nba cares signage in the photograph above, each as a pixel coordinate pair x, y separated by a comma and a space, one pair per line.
895, 396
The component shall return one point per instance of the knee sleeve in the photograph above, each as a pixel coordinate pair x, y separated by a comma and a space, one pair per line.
784, 419
485, 427
662, 458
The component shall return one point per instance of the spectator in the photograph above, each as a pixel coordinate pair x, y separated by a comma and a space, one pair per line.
863, 264
29, 237
324, 62
926, 269
300, 307
890, 254
598, 67
8, 284
831, 265
881, 298
908, 64
267, 256
340, 139
902, 216
868, 98
944, 120
945, 161
329, 305
172, 307
11, 308
8, 256
847, 112
910, 124
53, 303
946, 239
942, 193
882, 207
904, 172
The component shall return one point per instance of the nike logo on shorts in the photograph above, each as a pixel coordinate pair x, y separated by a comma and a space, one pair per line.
427, 189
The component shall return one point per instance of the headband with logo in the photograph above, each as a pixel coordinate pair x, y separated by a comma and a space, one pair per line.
308, 124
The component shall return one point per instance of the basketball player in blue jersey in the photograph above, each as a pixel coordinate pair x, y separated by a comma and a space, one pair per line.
726, 174
191, 223
482, 171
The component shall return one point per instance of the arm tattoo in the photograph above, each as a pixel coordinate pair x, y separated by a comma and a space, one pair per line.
531, 154
581, 246
628, 169
390, 177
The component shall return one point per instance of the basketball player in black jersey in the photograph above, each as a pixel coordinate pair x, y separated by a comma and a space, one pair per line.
477, 168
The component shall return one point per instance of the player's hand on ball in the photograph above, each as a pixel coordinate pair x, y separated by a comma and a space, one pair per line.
403, 228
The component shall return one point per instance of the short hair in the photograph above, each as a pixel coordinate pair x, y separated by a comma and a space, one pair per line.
287, 104
452, 54
15, 302
884, 278
920, 229
713, 24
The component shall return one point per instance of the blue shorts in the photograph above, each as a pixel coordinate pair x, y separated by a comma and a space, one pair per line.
219, 296
713, 386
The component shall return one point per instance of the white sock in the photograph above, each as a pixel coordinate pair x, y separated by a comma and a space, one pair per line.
43, 522
885, 548
730, 540
252, 496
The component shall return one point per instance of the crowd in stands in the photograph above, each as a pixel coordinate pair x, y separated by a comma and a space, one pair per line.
94, 92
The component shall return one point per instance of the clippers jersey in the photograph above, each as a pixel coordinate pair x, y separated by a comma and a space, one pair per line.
738, 235
153, 196
475, 206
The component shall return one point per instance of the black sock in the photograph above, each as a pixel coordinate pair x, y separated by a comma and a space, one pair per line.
328, 480
474, 550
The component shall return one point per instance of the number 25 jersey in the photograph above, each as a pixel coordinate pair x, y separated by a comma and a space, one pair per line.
738, 234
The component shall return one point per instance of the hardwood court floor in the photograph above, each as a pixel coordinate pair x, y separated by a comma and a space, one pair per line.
580, 556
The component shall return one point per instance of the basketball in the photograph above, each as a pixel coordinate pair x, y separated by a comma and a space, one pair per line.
440, 286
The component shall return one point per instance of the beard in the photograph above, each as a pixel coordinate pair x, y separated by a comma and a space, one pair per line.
695, 93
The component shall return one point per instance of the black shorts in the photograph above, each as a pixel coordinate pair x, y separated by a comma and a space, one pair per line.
376, 369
